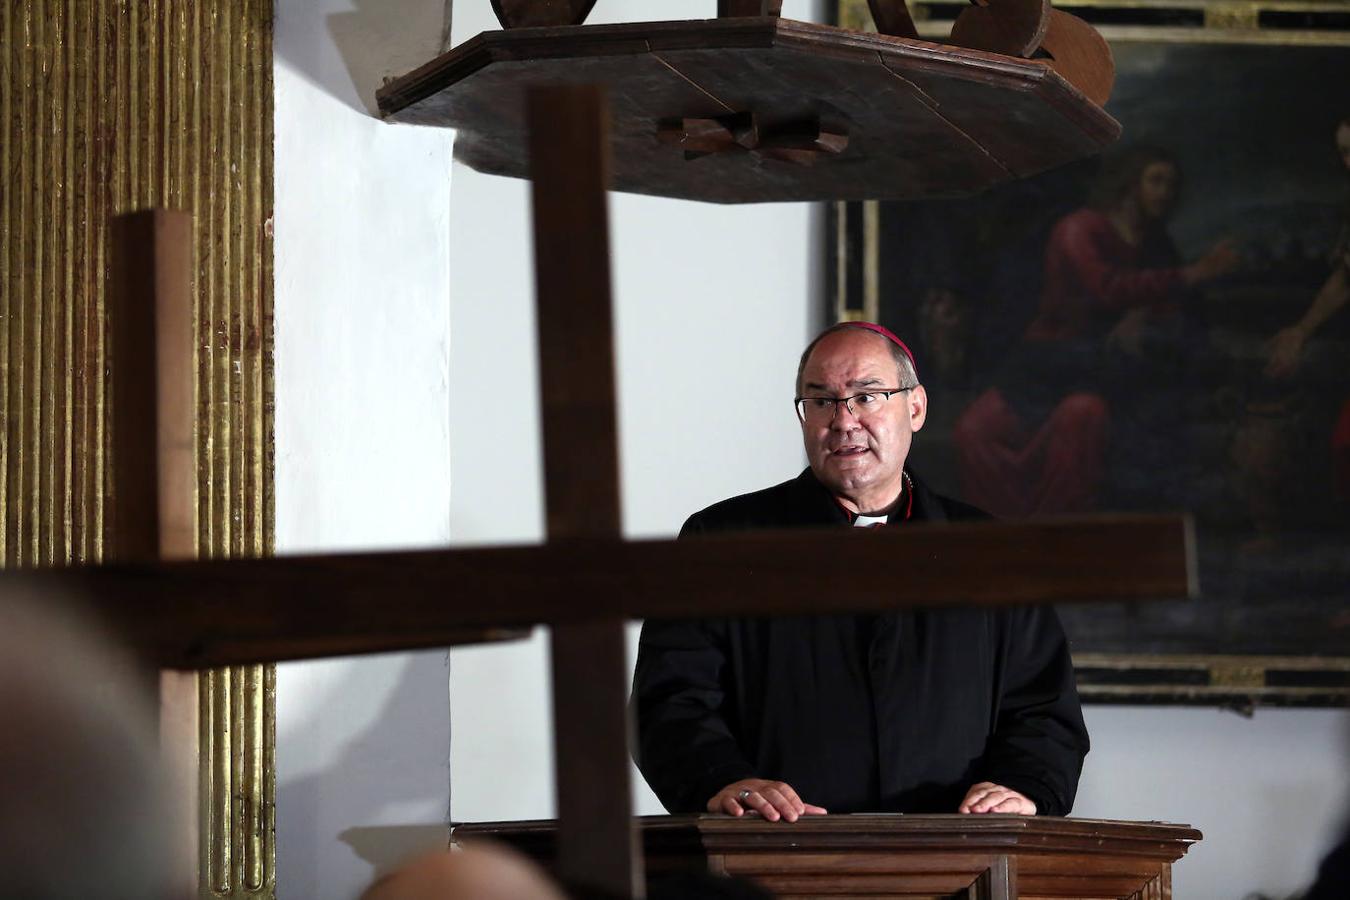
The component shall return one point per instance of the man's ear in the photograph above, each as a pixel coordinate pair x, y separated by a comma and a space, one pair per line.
918, 407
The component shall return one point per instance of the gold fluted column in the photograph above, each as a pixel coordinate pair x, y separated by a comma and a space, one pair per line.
108, 106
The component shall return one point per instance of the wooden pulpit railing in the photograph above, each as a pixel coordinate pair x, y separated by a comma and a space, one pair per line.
954, 857
585, 582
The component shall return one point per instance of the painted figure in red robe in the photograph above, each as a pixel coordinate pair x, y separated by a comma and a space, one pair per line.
1113, 296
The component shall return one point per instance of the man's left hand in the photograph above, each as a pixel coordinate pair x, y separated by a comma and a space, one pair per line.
987, 797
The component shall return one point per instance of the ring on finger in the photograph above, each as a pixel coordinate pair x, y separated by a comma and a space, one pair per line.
744, 794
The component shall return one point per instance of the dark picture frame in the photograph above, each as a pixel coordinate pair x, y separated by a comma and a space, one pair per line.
1172, 391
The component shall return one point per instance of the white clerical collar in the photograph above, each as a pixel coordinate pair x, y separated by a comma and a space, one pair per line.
862, 521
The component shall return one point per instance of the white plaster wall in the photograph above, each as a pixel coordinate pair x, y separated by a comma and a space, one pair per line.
712, 305
1270, 793
362, 277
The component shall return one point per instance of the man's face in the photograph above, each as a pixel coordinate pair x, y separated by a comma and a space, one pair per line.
1157, 190
860, 455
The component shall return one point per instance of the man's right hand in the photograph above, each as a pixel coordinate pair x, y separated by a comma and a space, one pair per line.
773, 800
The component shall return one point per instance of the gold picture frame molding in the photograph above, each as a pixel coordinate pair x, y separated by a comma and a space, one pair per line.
108, 107
1222, 21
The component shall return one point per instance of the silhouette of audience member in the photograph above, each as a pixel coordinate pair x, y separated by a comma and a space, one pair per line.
81, 804
1333, 875
481, 872
687, 885
703, 886
488, 871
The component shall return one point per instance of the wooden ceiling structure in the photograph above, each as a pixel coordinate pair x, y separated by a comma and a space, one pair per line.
755, 108
585, 581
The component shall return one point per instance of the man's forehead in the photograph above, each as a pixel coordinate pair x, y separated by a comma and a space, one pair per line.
853, 354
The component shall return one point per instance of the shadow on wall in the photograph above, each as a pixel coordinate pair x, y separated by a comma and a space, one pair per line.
385, 846
391, 768
371, 41
1344, 824
1333, 876
1332, 880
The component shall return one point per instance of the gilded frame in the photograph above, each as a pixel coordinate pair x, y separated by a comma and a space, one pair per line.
107, 107
1109, 672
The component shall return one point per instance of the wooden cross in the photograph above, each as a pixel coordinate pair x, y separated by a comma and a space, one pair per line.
155, 467
585, 581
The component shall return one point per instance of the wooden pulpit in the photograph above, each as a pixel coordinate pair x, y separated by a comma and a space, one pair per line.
990, 857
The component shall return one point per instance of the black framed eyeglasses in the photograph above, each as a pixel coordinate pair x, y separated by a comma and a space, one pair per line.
822, 410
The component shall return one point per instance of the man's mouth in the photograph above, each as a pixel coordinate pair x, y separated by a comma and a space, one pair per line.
851, 450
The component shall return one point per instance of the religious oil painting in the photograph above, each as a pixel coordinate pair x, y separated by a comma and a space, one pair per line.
1160, 328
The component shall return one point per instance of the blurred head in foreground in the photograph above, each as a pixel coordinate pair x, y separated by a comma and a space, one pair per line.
80, 802
481, 872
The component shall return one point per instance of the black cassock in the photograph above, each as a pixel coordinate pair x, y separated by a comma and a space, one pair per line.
895, 712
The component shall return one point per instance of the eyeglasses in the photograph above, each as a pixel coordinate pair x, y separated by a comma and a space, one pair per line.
822, 410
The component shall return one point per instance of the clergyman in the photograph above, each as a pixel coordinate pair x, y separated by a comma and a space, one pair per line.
924, 711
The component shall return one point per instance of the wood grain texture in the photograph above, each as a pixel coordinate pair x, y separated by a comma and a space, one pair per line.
569, 166
212, 612
537, 13
597, 843
922, 119
1010, 27
155, 472
909, 855
893, 17
108, 106
998, 882
155, 465
1078, 52
730, 8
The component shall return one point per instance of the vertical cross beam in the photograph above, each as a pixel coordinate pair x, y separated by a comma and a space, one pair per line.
730, 9
893, 17
569, 162
155, 468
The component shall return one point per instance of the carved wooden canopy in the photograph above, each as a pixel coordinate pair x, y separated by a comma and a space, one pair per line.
752, 109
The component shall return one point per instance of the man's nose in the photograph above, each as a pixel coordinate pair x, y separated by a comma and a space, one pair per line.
844, 416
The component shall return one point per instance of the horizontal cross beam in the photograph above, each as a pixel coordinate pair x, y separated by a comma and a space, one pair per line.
199, 614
